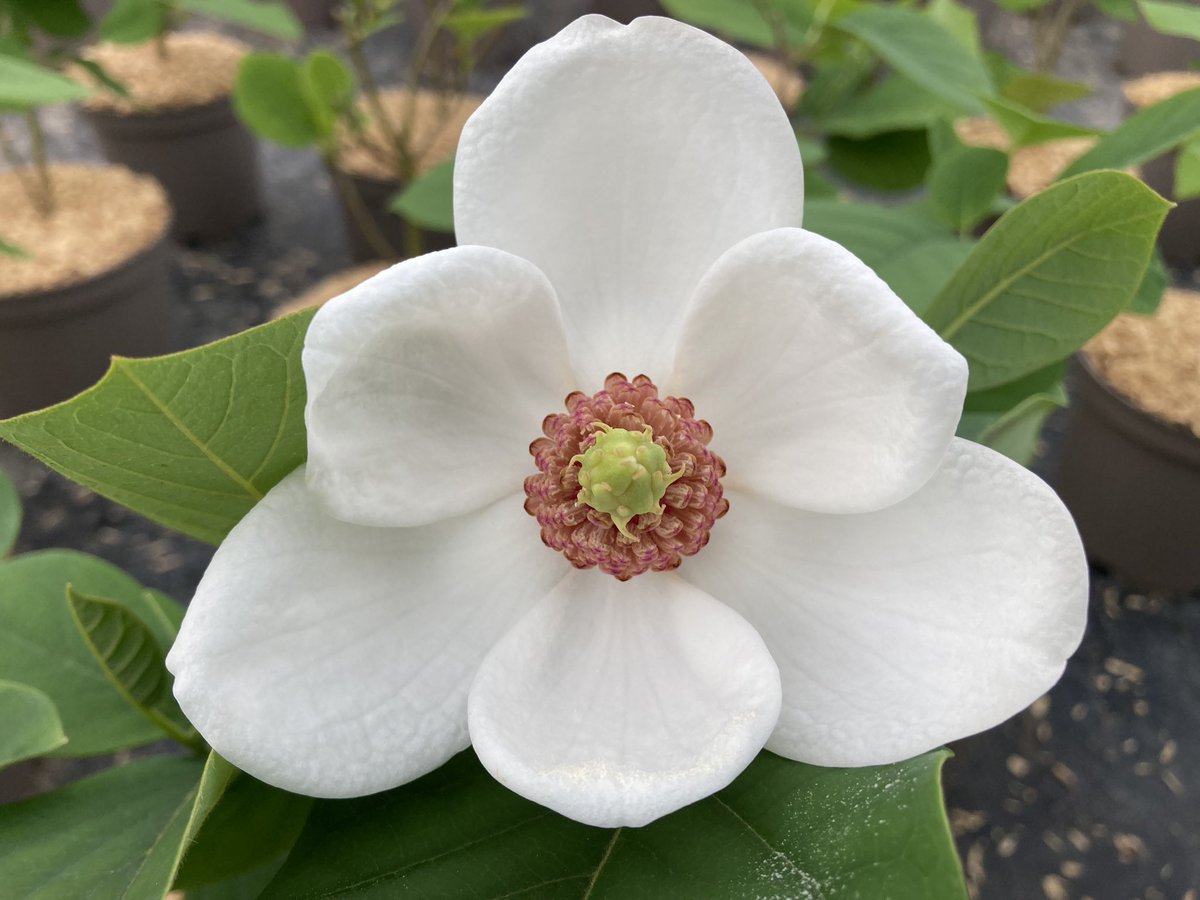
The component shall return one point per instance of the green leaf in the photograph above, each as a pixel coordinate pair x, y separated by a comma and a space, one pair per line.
921, 270
25, 85
192, 440
1187, 172
7, 249
472, 25
918, 47
270, 18
60, 18
1125, 10
270, 100
328, 88
1177, 19
133, 21
101, 76
782, 829
1027, 128
31, 724
875, 234
1148, 133
1049, 275
735, 20
895, 161
1150, 292
1015, 433
41, 646
1004, 397
1036, 91
244, 824
429, 201
893, 104
965, 183
116, 834
959, 21
130, 657
10, 515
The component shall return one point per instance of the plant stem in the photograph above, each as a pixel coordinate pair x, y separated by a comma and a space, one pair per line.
359, 214
435, 19
1051, 29
44, 196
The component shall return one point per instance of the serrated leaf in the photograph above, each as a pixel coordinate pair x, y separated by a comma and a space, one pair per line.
429, 201
131, 659
1148, 133
191, 440
965, 183
264, 16
269, 99
41, 646
25, 85
10, 515
1049, 275
116, 834
782, 829
1177, 19
31, 726
922, 50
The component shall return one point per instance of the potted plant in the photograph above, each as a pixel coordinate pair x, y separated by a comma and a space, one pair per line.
1131, 463
388, 149
1158, 35
169, 113
84, 249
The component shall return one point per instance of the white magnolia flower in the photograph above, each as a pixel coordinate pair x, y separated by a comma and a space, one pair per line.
629, 200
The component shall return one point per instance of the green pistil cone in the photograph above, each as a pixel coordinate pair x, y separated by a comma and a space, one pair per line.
624, 474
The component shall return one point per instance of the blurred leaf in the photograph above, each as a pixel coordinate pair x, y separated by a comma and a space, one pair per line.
918, 274
1014, 433
1148, 133
25, 85
102, 77
328, 88
472, 25
131, 659
1177, 19
7, 249
1125, 10
1002, 398
41, 646
191, 440
60, 18
894, 104
269, 97
1187, 172
922, 50
1049, 275
965, 183
116, 834
1035, 91
10, 515
133, 21
1027, 127
875, 234
264, 16
782, 829
959, 21
736, 20
1150, 292
1022, 6
31, 724
895, 161
429, 200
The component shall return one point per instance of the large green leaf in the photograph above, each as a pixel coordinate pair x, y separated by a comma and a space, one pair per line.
1049, 275
964, 184
429, 201
116, 834
61, 18
894, 161
875, 234
920, 271
271, 100
41, 646
265, 16
31, 726
782, 829
925, 52
192, 440
1148, 133
1178, 19
10, 515
25, 85
131, 659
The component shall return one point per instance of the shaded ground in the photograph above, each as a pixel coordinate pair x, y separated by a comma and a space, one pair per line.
1093, 792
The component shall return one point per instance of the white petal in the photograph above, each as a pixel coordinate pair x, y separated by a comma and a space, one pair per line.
426, 384
615, 703
899, 630
622, 161
824, 390
333, 659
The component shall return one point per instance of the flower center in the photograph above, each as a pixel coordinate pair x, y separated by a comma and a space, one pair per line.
626, 481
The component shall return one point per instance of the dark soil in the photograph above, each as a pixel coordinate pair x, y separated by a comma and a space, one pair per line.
1093, 792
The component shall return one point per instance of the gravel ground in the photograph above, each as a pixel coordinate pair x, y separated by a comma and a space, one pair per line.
1092, 792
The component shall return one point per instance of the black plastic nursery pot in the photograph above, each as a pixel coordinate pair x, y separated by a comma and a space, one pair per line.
1132, 482
56, 343
202, 155
376, 194
1179, 239
1144, 50
314, 13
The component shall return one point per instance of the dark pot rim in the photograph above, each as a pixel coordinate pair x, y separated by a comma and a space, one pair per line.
1175, 441
96, 291
167, 123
